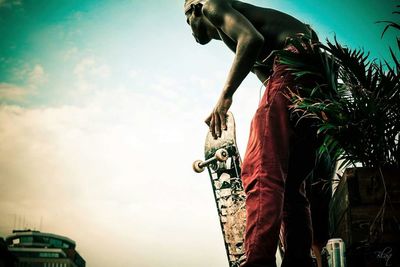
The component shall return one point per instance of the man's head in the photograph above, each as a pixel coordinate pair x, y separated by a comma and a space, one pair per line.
190, 4
195, 18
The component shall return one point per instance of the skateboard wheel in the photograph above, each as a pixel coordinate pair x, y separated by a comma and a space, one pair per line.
196, 166
221, 154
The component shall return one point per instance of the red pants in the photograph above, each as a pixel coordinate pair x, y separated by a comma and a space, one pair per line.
279, 156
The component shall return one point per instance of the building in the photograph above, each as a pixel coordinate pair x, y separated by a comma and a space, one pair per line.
36, 249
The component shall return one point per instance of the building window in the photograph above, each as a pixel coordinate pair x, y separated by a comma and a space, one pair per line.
49, 255
55, 243
26, 239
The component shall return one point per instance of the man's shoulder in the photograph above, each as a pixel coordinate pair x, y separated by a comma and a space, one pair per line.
215, 10
221, 6
207, 4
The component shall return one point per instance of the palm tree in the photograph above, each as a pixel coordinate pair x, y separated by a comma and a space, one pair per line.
356, 101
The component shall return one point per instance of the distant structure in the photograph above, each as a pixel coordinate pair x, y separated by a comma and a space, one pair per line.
7, 259
36, 249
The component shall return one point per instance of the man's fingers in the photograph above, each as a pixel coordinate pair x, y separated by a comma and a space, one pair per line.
223, 121
217, 124
212, 126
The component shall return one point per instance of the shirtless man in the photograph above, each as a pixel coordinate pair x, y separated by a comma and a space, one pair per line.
280, 153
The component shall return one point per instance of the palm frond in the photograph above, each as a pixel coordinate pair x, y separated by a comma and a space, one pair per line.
389, 24
359, 116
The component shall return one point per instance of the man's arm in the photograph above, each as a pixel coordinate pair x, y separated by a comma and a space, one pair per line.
233, 25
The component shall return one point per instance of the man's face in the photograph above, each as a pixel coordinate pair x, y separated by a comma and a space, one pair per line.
195, 19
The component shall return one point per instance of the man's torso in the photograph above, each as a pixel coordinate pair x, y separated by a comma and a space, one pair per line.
274, 26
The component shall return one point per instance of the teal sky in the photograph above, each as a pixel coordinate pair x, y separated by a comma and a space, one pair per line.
102, 106
147, 36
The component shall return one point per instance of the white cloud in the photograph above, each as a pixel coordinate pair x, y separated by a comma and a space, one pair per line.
37, 76
120, 168
117, 167
90, 73
133, 73
70, 53
32, 79
82, 67
12, 92
89, 66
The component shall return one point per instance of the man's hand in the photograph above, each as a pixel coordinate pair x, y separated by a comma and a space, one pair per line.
217, 119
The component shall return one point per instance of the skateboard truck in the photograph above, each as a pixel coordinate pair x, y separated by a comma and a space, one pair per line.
220, 155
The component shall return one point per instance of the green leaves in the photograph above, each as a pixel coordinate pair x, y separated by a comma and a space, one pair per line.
355, 101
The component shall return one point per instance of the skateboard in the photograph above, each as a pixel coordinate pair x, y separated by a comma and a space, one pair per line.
222, 160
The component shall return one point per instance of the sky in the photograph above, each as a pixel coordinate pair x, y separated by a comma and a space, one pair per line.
102, 106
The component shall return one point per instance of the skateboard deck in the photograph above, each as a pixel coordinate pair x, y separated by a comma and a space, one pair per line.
223, 163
